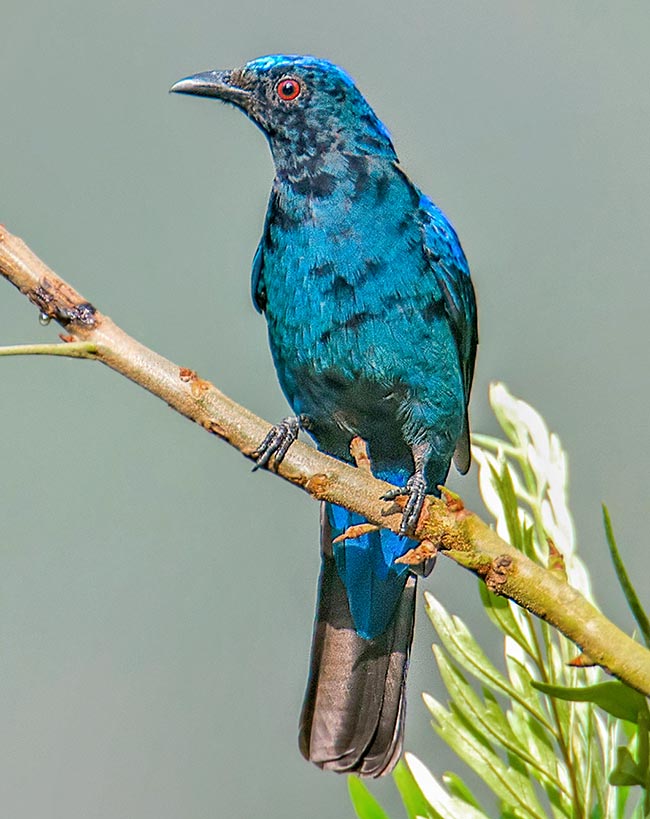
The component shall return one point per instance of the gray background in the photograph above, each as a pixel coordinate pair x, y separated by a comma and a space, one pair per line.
156, 598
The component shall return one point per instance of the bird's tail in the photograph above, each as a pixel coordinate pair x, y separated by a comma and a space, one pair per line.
353, 715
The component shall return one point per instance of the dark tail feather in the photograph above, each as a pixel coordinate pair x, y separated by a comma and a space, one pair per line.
353, 716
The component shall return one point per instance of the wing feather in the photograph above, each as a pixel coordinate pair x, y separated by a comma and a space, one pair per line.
449, 266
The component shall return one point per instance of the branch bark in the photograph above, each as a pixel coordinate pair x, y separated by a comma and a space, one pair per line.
444, 525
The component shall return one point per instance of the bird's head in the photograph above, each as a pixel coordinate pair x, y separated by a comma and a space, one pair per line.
306, 107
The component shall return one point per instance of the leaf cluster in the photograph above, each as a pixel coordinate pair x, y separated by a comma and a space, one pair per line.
548, 737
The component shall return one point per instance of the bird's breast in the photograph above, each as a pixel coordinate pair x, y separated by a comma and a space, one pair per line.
353, 310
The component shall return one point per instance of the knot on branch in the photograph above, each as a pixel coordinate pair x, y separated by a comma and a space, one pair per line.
198, 386
497, 573
318, 485
57, 300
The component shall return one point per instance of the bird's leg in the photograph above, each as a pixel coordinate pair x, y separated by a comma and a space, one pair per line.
415, 489
279, 439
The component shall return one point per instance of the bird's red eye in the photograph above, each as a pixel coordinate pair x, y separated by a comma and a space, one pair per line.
288, 89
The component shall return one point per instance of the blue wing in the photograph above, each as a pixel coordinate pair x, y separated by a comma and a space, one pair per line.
449, 266
258, 286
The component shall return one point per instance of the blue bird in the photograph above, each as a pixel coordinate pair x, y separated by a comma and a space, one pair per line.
372, 326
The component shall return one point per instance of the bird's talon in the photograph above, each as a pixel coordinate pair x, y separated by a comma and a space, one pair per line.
415, 492
277, 442
394, 494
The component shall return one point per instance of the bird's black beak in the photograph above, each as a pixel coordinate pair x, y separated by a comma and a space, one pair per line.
219, 84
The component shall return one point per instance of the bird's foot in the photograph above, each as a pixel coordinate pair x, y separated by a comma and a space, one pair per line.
415, 492
277, 442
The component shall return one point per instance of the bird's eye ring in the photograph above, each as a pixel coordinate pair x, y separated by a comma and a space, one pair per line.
288, 89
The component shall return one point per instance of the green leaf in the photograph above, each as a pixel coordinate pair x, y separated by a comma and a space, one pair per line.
414, 802
506, 782
614, 697
544, 732
464, 649
444, 804
363, 801
553, 773
643, 747
624, 579
532, 744
521, 680
488, 720
626, 770
504, 412
506, 491
459, 789
499, 610
528, 537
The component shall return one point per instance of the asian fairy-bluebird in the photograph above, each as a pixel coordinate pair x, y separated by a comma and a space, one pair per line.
372, 325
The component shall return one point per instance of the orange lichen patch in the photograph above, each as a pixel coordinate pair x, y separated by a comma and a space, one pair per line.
582, 661
356, 531
317, 485
424, 551
359, 452
66, 339
198, 386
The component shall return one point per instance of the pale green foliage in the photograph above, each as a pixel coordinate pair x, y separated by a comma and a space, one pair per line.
549, 740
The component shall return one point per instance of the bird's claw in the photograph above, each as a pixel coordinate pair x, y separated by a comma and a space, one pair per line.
277, 442
415, 491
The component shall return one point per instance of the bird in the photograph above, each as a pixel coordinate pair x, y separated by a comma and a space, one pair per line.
372, 325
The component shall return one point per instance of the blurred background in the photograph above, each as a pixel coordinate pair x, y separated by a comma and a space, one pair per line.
156, 598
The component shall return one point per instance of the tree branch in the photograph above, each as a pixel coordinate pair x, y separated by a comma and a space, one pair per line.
444, 525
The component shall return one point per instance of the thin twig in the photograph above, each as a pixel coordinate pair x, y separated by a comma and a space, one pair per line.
75, 349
